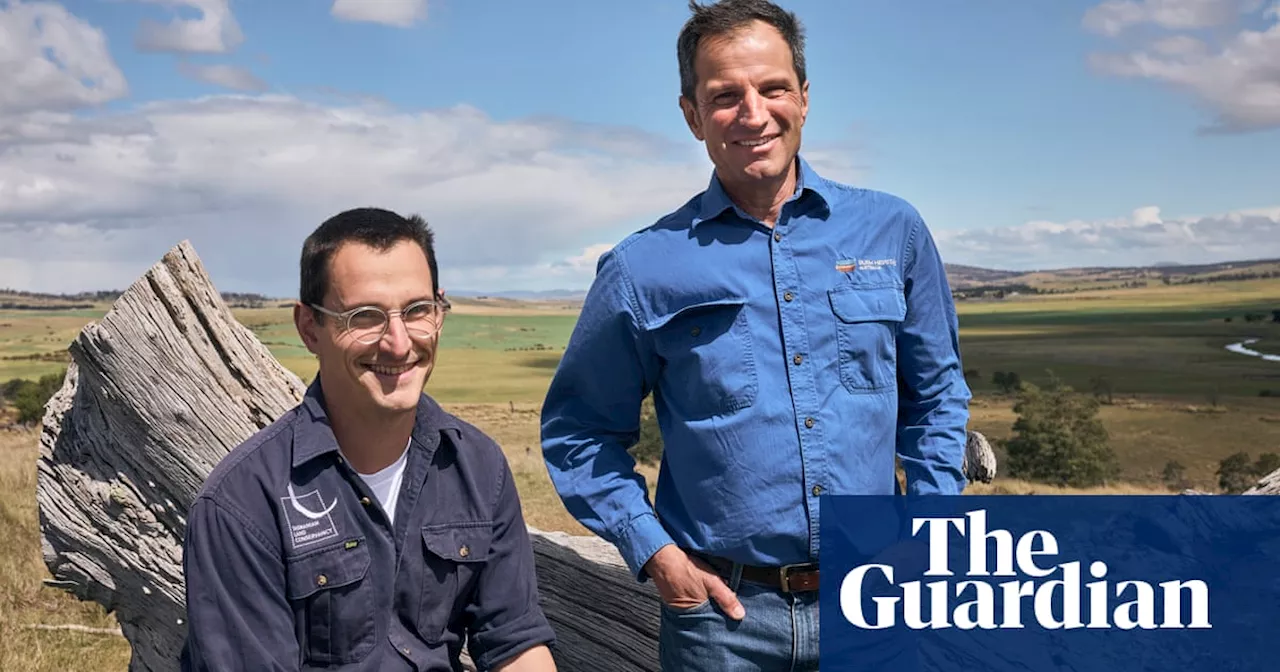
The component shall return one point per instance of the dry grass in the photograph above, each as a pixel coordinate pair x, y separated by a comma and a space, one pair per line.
24, 600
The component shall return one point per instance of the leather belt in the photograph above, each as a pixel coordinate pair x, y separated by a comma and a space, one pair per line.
799, 578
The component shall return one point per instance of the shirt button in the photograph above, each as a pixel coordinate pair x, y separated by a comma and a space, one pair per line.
695, 331
817, 490
777, 237
808, 422
365, 501
464, 551
788, 296
797, 359
322, 580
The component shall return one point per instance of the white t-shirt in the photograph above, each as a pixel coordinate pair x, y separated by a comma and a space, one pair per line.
386, 484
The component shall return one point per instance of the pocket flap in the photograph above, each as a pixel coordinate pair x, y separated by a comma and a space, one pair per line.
461, 542
868, 304
333, 567
662, 320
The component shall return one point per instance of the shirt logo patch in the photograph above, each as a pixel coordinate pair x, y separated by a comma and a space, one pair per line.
846, 265
309, 519
877, 264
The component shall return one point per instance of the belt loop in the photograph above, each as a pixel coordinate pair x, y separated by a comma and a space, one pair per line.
735, 577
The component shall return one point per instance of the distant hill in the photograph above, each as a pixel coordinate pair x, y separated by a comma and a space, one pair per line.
967, 282
523, 295
970, 282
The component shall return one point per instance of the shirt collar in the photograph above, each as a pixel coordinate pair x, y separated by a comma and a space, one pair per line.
313, 435
715, 200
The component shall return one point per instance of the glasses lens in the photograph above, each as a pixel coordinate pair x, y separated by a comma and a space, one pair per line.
422, 319
366, 324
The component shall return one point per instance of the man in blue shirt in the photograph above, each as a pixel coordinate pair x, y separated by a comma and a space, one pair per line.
796, 334
367, 528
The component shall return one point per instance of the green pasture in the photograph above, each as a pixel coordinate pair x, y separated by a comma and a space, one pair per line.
1166, 341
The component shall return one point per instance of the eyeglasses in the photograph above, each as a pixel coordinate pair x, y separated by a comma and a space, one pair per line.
368, 324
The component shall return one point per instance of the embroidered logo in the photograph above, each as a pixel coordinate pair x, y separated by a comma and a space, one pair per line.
877, 264
309, 519
846, 265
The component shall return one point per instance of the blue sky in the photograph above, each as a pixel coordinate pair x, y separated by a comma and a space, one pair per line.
535, 135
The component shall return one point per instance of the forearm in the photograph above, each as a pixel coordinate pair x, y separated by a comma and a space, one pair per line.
934, 398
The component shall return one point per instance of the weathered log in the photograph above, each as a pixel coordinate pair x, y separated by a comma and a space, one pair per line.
1269, 485
979, 458
167, 383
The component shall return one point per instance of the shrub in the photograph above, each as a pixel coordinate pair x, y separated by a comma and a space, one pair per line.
30, 398
1175, 475
1007, 381
1235, 473
1058, 438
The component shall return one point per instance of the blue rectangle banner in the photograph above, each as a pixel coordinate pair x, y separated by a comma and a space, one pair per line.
1050, 583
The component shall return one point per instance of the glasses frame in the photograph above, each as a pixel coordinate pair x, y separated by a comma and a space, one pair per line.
345, 317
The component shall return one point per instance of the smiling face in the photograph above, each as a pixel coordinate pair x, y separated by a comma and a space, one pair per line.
384, 378
750, 106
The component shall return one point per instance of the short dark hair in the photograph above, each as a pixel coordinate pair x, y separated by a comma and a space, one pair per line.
727, 16
375, 227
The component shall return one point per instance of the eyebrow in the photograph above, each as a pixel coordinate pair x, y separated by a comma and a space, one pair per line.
353, 306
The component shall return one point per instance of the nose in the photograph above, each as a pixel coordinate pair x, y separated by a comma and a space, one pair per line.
395, 342
753, 111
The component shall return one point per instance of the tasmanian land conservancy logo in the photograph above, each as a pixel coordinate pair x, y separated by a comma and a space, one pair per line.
308, 517
1039, 590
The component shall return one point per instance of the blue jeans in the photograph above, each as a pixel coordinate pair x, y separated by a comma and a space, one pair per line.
779, 633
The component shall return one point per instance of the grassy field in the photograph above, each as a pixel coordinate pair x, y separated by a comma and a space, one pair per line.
1177, 394
24, 601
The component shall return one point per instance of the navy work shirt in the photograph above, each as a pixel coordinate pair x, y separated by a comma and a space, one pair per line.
785, 363
291, 563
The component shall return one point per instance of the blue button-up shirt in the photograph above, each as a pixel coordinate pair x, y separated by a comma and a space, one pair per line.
291, 564
785, 363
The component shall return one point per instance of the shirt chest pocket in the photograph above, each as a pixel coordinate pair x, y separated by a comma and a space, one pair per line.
709, 366
454, 556
334, 602
867, 320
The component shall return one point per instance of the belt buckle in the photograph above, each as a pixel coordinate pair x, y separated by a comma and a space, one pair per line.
784, 580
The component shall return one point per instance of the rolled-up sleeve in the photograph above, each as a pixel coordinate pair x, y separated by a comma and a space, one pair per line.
238, 617
934, 398
591, 416
504, 617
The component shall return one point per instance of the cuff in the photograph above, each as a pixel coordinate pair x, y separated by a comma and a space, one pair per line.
639, 541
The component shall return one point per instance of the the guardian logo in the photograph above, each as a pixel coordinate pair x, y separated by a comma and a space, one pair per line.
1033, 592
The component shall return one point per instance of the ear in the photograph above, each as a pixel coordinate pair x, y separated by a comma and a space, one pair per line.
304, 320
804, 102
690, 110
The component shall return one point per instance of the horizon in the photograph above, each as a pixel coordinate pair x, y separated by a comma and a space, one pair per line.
1087, 134
561, 293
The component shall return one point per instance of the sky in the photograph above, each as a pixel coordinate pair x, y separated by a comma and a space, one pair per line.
534, 136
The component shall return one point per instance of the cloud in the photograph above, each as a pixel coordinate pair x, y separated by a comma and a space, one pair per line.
246, 178
1144, 237
399, 13
1115, 16
227, 76
53, 60
214, 31
1237, 78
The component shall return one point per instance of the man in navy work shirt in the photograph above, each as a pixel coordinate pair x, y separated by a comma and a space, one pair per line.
797, 335
366, 529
